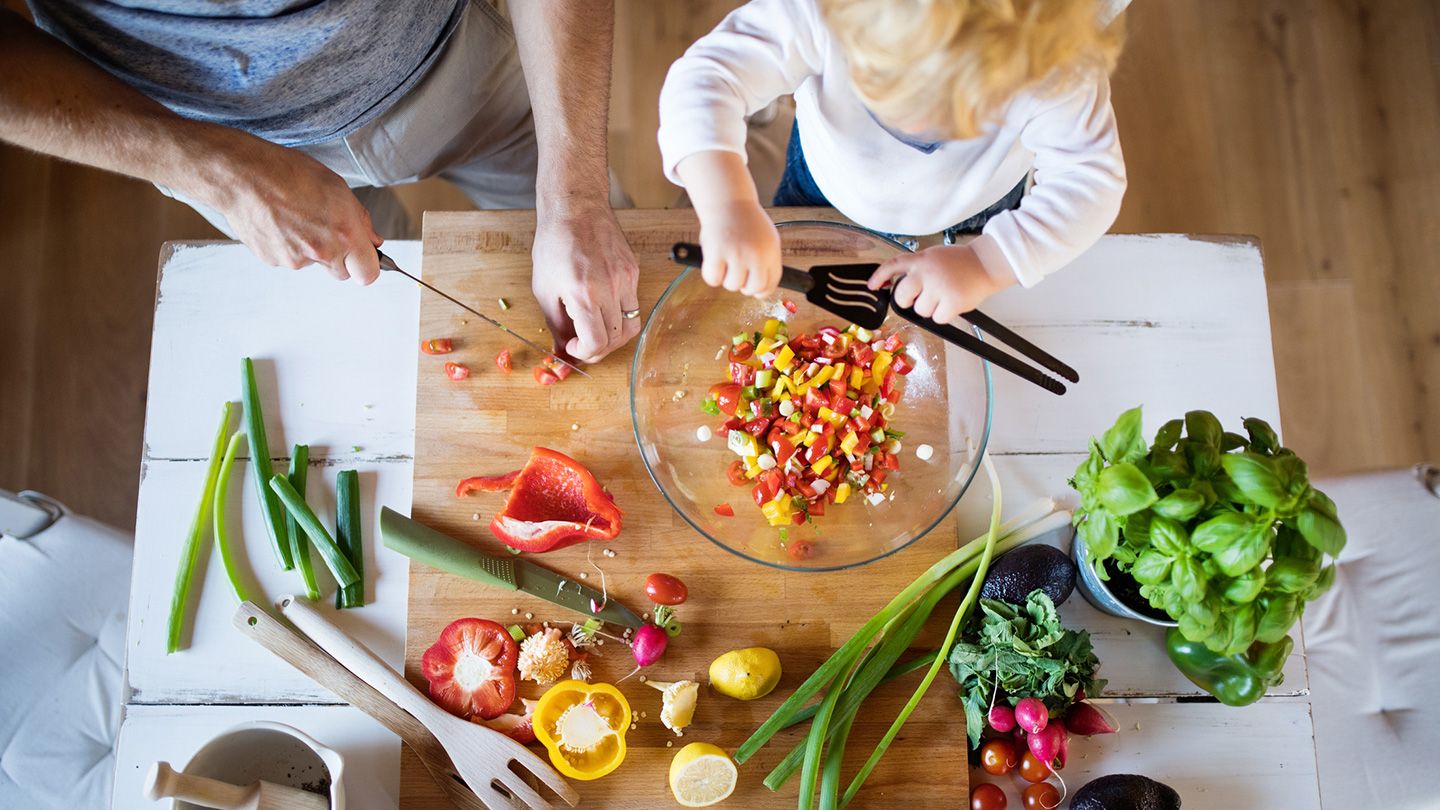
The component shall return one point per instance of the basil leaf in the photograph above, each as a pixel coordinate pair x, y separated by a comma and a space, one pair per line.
1101, 534
1255, 478
1321, 503
1168, 434
1151, 568
1322, 582
1203, 427
1168, 537
1204, 458
1321, 531
1245, 552
1137, 530
1232, 441
1279, 616
1189, 580
1247, 586
1221, 531
1262, 436
1169, 465
1181, 505
1123, 443
1125, 490
1292, 574
1088, 473
1241, 631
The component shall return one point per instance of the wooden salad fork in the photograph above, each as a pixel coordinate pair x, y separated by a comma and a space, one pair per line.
482, 756
301, 653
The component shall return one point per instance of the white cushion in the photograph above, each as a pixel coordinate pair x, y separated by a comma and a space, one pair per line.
1373, 647
62, 629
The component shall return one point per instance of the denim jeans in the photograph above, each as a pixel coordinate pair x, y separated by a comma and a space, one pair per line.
798, 188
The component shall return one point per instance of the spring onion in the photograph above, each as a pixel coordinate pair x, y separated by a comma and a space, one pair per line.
334, 558
261, 465
347, 535
222, 535
190, 552
299, 545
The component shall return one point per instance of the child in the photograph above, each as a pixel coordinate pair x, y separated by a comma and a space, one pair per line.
912, 117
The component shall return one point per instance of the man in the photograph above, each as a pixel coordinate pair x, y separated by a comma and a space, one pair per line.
264, 114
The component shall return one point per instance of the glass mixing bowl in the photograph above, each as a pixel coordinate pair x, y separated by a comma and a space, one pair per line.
946, 404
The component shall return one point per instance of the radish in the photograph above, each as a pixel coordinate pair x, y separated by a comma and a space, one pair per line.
648, 645
1002, 717
1049, 744
1087, 720
1031, 715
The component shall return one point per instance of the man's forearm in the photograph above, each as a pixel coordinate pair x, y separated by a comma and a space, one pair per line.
54, 101
565, 48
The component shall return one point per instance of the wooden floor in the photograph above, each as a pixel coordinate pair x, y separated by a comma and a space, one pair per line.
1311, 124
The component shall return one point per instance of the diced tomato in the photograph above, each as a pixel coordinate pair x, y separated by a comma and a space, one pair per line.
814, 401
562, 371
757, 427
837, 389
903, 364
758, 493
806, 488
733, 423
742, 374
862, 443
784, 449
843, 404
817, 508
503, 362
790, 306
892, 461
798, 517
800, 549
545, 376
736, 473
742, 352
861, 353
772, 480
437, 346
887, 384
815, 452
787, 427
877, 476
893, 343
456, 371
727, 396
725, 510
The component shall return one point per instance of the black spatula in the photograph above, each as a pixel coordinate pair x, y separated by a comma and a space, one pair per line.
837, 288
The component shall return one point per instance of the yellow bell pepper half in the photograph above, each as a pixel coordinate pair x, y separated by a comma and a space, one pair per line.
583, 727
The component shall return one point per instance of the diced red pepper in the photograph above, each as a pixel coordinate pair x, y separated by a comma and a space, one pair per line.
817, 508
887, 384
784, 449
733, 423
861, 353
815, 452
798, 518
756, 427
843, 404
807, 489
725, 510
892, 461
790, 306
456, 371
903, 364
893, 343
877, 476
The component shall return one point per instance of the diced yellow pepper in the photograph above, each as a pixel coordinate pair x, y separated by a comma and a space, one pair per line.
842, 492
785, 359
823, 377
825, 413
742, 444
809, 438
839, 371
884, 487
790, 383
778, 389
784, 395
776, 511
771, 328
881, 365
824, 462
767, 345
849, 443
863, 335
752, 466
857, 378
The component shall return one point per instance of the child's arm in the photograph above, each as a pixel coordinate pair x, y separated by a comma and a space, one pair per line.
761, 51
1079, 182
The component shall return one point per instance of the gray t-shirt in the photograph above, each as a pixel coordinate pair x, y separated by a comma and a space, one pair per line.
290, 71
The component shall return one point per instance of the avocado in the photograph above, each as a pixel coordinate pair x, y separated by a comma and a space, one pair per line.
1014, 575
1125, 791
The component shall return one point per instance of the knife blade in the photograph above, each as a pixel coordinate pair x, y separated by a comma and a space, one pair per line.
423, 544
387, 263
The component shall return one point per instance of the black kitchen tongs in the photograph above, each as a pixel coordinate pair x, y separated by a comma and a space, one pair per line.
841, 289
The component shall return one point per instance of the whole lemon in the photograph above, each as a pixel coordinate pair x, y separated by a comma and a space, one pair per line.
746, 674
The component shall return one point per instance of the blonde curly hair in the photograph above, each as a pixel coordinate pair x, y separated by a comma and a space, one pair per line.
948, 67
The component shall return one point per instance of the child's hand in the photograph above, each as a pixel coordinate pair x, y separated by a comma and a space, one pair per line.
939, 282
741, 247
740, 243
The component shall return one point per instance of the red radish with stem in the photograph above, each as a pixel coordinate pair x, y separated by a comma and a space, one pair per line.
648, 645
1049, 745
1031, 715
1087, 720
1002, 718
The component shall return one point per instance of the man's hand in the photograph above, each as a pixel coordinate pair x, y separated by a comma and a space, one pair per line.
584, 280
292, 211
939, 282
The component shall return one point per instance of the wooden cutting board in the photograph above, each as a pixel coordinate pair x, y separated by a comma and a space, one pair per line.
487, 425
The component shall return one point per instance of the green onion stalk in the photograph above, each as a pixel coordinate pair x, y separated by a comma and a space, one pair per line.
190, 552
222, 534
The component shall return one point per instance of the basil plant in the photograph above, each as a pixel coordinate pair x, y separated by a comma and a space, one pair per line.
1222, 532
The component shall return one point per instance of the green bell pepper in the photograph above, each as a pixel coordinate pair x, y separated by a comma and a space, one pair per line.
1235, 680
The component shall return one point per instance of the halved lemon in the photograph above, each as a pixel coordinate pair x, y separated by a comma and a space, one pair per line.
701, 775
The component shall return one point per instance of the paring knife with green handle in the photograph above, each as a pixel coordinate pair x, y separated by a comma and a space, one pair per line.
424, 544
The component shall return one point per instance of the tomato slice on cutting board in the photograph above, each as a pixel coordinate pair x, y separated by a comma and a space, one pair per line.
471, 669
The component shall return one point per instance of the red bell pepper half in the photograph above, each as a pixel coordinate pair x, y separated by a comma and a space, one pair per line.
554, 502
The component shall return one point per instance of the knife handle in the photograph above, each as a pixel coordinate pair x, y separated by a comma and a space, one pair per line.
689, 255
423, 544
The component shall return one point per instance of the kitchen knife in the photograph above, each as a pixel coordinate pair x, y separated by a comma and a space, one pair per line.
387, 263
424, 544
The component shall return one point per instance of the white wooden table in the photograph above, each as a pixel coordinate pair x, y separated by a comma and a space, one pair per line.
1173, 322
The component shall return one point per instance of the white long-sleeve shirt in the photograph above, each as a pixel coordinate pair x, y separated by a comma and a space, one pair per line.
769, 48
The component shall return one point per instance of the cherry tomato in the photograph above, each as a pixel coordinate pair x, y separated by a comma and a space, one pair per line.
456, 371
903, 364
986, 796
727, 397
736, 473
1032, 769
998, 757
741, 352
1041, 796
800, 549
664, 589
790, 306
502, 361
545, 376
437, 346
725, 510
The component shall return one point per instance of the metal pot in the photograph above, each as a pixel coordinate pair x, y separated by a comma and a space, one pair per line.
1095, 591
